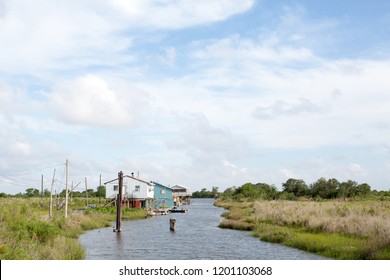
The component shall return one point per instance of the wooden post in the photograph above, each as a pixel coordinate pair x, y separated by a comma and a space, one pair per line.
66, 189
119, 203
100, 184
172, 224
86, 192
42, 185
51, 196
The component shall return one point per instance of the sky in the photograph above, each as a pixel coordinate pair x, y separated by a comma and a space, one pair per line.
199, 93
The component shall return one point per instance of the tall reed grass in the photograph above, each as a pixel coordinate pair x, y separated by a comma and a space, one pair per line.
338, 229
27, 232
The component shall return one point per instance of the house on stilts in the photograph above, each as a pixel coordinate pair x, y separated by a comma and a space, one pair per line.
181, 195
136, 193
162, 197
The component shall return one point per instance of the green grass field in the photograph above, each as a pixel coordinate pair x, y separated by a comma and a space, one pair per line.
27, 232
358, 229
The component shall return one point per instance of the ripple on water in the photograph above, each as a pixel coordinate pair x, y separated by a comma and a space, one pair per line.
197, 236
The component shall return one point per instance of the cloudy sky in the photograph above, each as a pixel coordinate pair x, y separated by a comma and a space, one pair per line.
195, 92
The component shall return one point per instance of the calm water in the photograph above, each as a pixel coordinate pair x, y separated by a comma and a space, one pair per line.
197, 236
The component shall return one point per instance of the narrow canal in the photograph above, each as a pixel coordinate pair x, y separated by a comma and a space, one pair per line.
197, 236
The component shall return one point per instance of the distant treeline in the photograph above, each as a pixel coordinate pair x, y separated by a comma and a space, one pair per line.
33, 192
204, 193
297, 188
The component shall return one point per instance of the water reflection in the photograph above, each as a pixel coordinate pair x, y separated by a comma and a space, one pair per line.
197, 236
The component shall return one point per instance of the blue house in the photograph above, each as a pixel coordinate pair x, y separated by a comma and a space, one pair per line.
162, 196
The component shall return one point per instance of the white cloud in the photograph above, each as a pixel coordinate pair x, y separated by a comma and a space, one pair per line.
177, 14
21, 148
91, 100
237, 49
229, 164
328, 103
6, 96
281, 108
204, 141
319, 102
2, 8
169, 57
287, 173
209, 152
226, 99
357, 170
43, 36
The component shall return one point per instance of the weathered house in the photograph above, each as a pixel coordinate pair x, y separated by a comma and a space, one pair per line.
181, 195
136, 193
162, 196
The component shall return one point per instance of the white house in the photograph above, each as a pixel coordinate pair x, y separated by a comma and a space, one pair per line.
135, 192
181, 195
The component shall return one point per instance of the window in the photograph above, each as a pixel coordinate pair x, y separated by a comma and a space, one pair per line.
137, 187
116, 187
162, 191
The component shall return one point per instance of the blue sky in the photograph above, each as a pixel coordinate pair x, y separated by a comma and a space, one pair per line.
198, 93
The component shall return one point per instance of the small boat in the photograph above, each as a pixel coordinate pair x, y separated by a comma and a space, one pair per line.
161, 212
177, 210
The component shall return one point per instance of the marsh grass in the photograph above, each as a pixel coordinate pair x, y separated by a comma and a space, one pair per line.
27, 232
333, 228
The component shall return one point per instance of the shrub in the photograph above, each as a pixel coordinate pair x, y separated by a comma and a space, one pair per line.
42, 231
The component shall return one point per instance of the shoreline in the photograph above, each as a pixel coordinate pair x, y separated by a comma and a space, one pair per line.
350, 230
27, 233
312, 226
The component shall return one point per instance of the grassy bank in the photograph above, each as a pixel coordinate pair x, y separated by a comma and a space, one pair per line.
333, 228
27, 232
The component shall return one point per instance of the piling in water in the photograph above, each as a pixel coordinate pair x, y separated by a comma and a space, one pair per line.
172, 224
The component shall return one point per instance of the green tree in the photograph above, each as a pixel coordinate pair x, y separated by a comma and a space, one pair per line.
229, 193
31, 192
347, 189
266, 191
248, 190
46, 193
325, 188
296, 186
203, 193
333, 186
101, 192
77, 194
318, 188
363, 189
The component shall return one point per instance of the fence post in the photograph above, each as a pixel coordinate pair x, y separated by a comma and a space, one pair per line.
172, 224
119, 203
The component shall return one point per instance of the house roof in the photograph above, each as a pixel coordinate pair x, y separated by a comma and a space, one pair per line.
162, 185
177, 187
133, 178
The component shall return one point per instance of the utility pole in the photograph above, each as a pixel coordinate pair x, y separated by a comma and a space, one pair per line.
51, 196
66, 189
86, 192
100, 180
119, 203
42, 185
71, 192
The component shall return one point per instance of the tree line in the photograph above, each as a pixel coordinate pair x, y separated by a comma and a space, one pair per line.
297, 188
204, 193
33, 192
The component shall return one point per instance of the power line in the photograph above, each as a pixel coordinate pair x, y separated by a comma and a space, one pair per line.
22, 172
25, 177
16, 180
